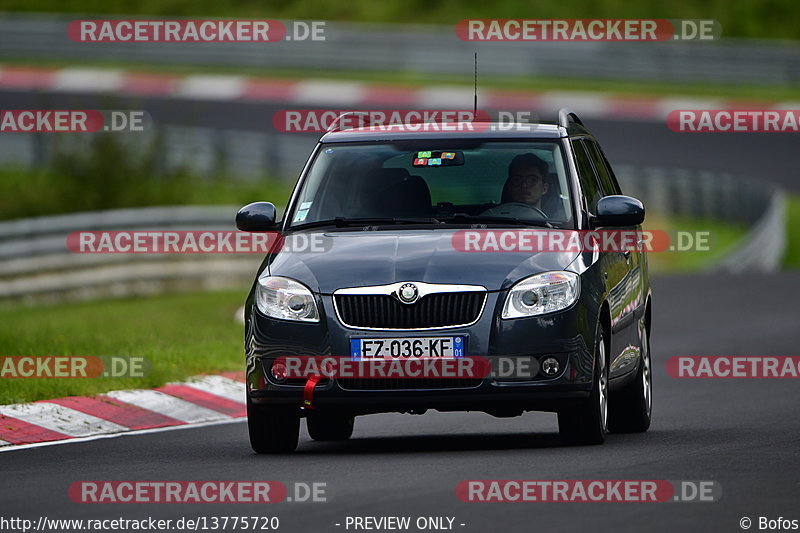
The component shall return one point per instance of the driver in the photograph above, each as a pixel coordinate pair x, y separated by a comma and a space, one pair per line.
527, 180
524, 188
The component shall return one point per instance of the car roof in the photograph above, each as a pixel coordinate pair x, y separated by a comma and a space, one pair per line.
453, 130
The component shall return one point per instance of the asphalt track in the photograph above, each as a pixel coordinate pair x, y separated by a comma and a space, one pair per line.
744, 434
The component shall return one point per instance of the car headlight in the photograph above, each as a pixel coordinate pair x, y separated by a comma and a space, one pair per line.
286, 299
542, 293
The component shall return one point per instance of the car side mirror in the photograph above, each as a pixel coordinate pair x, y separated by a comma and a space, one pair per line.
258, 216
618, 210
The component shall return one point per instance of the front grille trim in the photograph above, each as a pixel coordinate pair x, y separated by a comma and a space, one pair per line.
425, 289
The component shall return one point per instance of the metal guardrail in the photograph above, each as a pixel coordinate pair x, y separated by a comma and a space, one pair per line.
725, 197
763, 247
36, 266
428, 49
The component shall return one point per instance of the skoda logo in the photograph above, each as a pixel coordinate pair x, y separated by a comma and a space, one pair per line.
408, 293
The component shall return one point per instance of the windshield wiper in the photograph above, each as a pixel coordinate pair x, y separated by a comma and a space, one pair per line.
341, 222
480, 219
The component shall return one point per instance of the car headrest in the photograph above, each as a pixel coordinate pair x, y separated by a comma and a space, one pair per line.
408, 196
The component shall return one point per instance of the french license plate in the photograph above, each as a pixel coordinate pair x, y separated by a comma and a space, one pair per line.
408, 348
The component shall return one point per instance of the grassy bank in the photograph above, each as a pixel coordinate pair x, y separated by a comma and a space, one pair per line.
180, 335
791, 258
108, 176
722, 238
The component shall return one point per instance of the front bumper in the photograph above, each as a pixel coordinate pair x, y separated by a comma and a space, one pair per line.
564, 335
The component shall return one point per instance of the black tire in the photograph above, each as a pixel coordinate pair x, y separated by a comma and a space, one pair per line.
329, 426
630, 408
272, 429
586, 423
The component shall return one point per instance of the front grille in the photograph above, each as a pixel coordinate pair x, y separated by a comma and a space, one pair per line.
382, 311
408, 384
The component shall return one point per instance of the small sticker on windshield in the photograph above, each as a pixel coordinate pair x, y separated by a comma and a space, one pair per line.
305, 205
301, 215
434, 158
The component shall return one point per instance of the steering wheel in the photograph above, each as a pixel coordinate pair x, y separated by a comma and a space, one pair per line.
515, 210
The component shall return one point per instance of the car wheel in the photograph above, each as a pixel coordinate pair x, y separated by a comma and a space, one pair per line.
273, 429
329, 426
587, 423
632, 406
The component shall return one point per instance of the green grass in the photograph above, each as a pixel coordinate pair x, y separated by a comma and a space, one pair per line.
180, 335
723, 237
107, 174
791, 258
749, 93
743, 18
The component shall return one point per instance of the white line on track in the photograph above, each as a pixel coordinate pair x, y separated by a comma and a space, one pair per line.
79, 440
88, 80
211, 87
329, 92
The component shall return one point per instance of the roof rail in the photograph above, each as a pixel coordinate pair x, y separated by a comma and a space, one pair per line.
336, 124
565, 116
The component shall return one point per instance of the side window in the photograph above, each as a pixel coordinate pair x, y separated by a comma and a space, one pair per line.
589, 184
607, 180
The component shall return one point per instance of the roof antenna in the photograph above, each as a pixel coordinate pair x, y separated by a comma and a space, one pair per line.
475, 102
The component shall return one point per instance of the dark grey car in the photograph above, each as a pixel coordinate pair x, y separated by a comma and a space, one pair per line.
394, 282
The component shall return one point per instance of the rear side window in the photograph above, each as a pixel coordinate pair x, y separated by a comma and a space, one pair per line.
607, 180
589, 185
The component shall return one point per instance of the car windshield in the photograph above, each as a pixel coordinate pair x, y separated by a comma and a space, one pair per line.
435, 181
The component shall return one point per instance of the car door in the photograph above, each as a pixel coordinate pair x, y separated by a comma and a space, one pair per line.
614, 265
630, 289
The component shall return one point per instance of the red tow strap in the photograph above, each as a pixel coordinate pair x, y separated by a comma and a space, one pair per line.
308, 392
